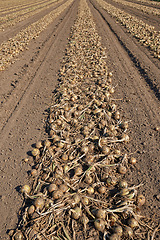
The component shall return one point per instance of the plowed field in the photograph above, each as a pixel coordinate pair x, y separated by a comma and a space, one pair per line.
27, 88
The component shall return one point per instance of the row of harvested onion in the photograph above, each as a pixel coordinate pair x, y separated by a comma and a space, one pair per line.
9, 20
149, 2
79, 190
14, 46
145, 9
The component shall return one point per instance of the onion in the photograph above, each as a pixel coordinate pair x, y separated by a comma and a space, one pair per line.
63, 188
122, 169
99, 225
39, 145
31, 209
90, 190
47, 143
100, 213
35, 152
102, 189
57, 194
18, 236
110, 74
84, 149
39, 203
125, 137
76, 198
118, 230
141, 200
123, 184
52, 187
111, 90
124, 192
85, 201
78, 171
88, 179
71, 157
76, 213
26, 189
128, 232
132, 160
124, 125
56, 139
64, 157
132, 222
117, 115
89, 159
105, 150
113, 218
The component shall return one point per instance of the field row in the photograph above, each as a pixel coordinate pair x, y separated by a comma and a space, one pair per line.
156, 3
16, 17
7, 4
78, 191
12, 48
145, 9
140, 30
19, 7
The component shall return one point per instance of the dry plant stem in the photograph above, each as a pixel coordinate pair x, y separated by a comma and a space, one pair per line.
154, 233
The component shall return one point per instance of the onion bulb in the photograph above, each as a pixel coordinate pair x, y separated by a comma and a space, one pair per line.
25, 189
76, 213
18, 236
128, 232
39, 203
35, 152
118, 230
141, 200
99, 225
132, 222
101, 213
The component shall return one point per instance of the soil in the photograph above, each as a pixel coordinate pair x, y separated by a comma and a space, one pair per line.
26, 90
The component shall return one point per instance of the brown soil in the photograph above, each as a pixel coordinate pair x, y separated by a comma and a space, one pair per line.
26, 93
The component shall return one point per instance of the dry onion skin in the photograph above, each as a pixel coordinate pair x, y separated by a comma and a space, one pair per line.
78, 177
